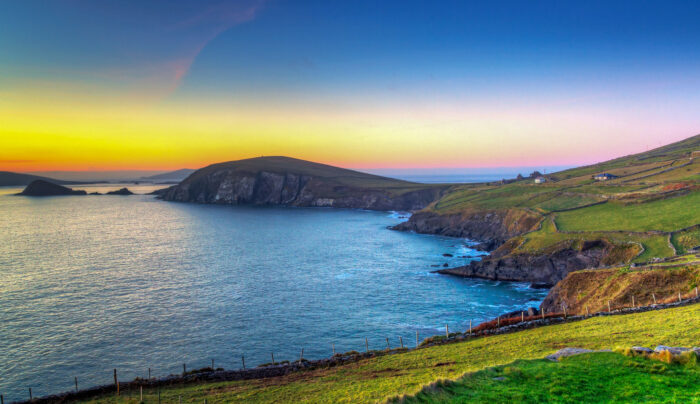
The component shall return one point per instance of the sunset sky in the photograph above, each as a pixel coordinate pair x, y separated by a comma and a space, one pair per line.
156, 85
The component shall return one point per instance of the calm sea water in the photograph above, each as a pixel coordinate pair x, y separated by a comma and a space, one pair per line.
93, 283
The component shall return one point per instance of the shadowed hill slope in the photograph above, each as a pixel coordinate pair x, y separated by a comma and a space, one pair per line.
8, 178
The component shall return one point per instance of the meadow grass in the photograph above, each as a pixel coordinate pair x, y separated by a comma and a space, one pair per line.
662, 215
377, 379
591, 377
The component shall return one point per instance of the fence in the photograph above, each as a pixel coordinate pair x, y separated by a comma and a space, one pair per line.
149, 389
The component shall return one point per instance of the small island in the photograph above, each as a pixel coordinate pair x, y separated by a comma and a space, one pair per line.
46, 188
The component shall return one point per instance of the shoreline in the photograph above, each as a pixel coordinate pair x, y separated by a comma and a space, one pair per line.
207, 375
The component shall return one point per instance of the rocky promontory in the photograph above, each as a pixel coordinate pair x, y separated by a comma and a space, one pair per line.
545, 270
292, 182
46, 188
490, 227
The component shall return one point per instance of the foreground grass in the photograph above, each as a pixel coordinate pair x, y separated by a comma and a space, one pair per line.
380, 378
595, 377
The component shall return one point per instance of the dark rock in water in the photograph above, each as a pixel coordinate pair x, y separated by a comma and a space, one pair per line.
540, 285
445, 265
123, 191
545, 270
435, 265
45, 188
447, 255
95, 193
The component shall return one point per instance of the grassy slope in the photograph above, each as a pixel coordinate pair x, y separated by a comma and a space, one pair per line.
623, 285
380, 378
663, 215
593, 377
637, 202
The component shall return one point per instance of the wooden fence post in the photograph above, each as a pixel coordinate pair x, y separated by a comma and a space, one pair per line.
522, 316
76, 383
366, 345
116, 381
679, 297
149, 373
416, 338
184, 369
632, 301
30, 395
543, 310
387, 344
272, 355
470, 326
212, 364
301, 355
696, 291
333, 345
498, 322
587, 314
141, 394
447, 331
564, 306
401, 341
243, 361
653, 296
609, 306
2, 399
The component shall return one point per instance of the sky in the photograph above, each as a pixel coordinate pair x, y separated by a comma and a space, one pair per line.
165, 84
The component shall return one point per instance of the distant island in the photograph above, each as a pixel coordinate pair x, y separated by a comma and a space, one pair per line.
8, 178
46, 188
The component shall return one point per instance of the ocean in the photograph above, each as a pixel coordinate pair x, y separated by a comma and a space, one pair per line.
94, 283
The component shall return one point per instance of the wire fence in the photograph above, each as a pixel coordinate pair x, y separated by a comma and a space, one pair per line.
150, 387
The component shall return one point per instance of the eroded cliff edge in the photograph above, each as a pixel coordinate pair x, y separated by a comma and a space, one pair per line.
291, 182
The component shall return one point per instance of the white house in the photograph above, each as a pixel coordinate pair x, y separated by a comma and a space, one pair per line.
604, 177
540, 180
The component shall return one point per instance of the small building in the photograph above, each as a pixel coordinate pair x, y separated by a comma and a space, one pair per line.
605, 177
540, 180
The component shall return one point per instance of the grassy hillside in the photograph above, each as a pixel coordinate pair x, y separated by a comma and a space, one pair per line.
380, 378
655, 198
592, 377
624, 286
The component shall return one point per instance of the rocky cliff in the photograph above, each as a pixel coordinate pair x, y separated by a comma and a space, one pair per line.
298, 184
492, 227
542, 269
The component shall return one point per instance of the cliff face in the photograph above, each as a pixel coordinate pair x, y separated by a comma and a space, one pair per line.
621, 287
271, 188
492, 228
543, 269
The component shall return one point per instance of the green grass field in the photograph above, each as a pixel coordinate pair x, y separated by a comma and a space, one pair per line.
661, 215
590, 378
377, 379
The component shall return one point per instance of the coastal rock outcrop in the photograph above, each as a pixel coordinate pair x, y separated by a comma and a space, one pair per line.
542, 269
299, 184
491, 227
122, 191
45, 188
